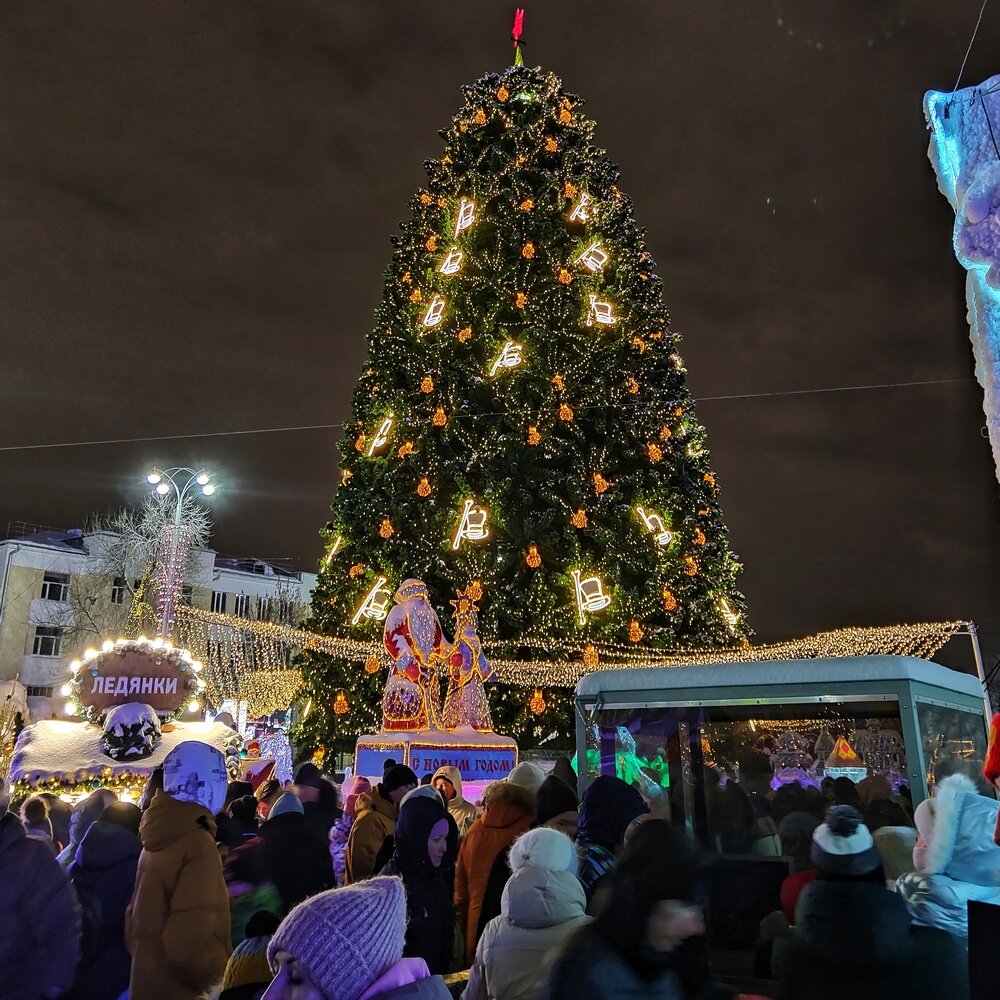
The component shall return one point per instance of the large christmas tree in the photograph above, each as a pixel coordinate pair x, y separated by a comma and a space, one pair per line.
522, 421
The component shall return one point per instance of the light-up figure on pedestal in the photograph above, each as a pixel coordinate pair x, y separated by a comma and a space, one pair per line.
468, 669
414, 640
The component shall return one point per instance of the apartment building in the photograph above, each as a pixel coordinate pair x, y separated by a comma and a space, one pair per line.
54, 599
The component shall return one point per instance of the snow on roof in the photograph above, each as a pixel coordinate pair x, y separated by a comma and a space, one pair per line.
786, 673
71, 751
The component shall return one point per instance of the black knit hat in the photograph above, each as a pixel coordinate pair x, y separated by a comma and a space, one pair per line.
554, 797
398, 776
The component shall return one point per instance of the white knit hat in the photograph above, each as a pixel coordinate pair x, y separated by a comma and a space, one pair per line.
527, 775
346, 938
543, 847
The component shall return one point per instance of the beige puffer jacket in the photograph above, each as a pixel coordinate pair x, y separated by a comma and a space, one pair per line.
540, 909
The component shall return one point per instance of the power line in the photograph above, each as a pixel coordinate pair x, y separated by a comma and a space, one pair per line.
466, 416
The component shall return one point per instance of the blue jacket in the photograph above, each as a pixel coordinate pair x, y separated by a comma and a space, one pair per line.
961, 862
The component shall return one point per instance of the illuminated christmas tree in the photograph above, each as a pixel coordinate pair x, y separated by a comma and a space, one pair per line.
522, 421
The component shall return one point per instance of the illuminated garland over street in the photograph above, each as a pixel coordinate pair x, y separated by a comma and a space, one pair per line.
224, 639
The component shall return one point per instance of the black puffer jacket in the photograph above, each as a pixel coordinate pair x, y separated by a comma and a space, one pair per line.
39, 918
854, 941
430, 914
104, 877
296, 858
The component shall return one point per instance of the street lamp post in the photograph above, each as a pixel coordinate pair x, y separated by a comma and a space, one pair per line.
175, 542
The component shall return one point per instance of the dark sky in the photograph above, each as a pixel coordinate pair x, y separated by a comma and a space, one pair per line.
196, 201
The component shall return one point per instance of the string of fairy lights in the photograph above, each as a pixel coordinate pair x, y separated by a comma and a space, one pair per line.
221, 642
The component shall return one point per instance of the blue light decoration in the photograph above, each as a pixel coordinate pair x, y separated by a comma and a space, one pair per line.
965, 132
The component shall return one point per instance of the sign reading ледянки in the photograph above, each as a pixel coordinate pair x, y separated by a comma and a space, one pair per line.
158, 678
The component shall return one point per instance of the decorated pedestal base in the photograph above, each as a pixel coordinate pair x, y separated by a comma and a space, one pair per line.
478, 756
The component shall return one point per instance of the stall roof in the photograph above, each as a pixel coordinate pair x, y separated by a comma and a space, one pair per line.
770, 673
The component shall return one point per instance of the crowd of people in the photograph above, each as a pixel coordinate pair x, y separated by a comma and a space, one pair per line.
211, 889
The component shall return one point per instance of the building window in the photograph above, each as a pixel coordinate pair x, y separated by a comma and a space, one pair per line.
187, 594
39, 692
55, 587
219, 601
263, 609
242, 609
118, 590
47, 641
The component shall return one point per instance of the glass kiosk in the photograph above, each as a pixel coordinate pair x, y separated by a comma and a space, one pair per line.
692, 731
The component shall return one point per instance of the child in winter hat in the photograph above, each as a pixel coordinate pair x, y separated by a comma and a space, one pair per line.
843, 846
342, 942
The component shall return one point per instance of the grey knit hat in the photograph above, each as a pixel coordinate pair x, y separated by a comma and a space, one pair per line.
843, 845
346, 938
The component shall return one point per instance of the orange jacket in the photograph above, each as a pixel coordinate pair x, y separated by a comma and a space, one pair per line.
508, 813
177, 925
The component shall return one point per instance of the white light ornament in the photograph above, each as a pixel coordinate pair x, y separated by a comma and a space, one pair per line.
590, 596
381, 438
466, 215
656, 527
471, 526
376, 603
338, 544
593, 258
581, 213
435, 312
729, 616
509, 357
601, 313
452, 262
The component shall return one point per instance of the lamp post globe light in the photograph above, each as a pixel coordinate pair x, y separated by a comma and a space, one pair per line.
166, 481
175, 541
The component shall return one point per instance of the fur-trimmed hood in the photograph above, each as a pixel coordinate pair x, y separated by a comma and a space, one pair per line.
504, 793
955, 829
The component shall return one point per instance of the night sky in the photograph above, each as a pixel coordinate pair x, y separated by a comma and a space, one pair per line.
196, 201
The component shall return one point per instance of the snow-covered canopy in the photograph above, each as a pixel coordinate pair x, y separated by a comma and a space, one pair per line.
71, 751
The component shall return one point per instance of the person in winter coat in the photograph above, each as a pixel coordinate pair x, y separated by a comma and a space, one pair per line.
640, 946
853, 938
376, 819
296, 856
955, 861
177, 925
35, 817
448, 781
85, 814
341, 830
39, 917
608, 806
59, 816
103, 874
556, 806
421, 850
318, 798
508, 812
543, 904
250, 888
347, 944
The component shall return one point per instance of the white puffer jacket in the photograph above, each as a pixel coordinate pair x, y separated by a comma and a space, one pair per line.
539, 910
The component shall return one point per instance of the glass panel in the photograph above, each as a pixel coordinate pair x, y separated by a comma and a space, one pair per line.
732, 772
952, 740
